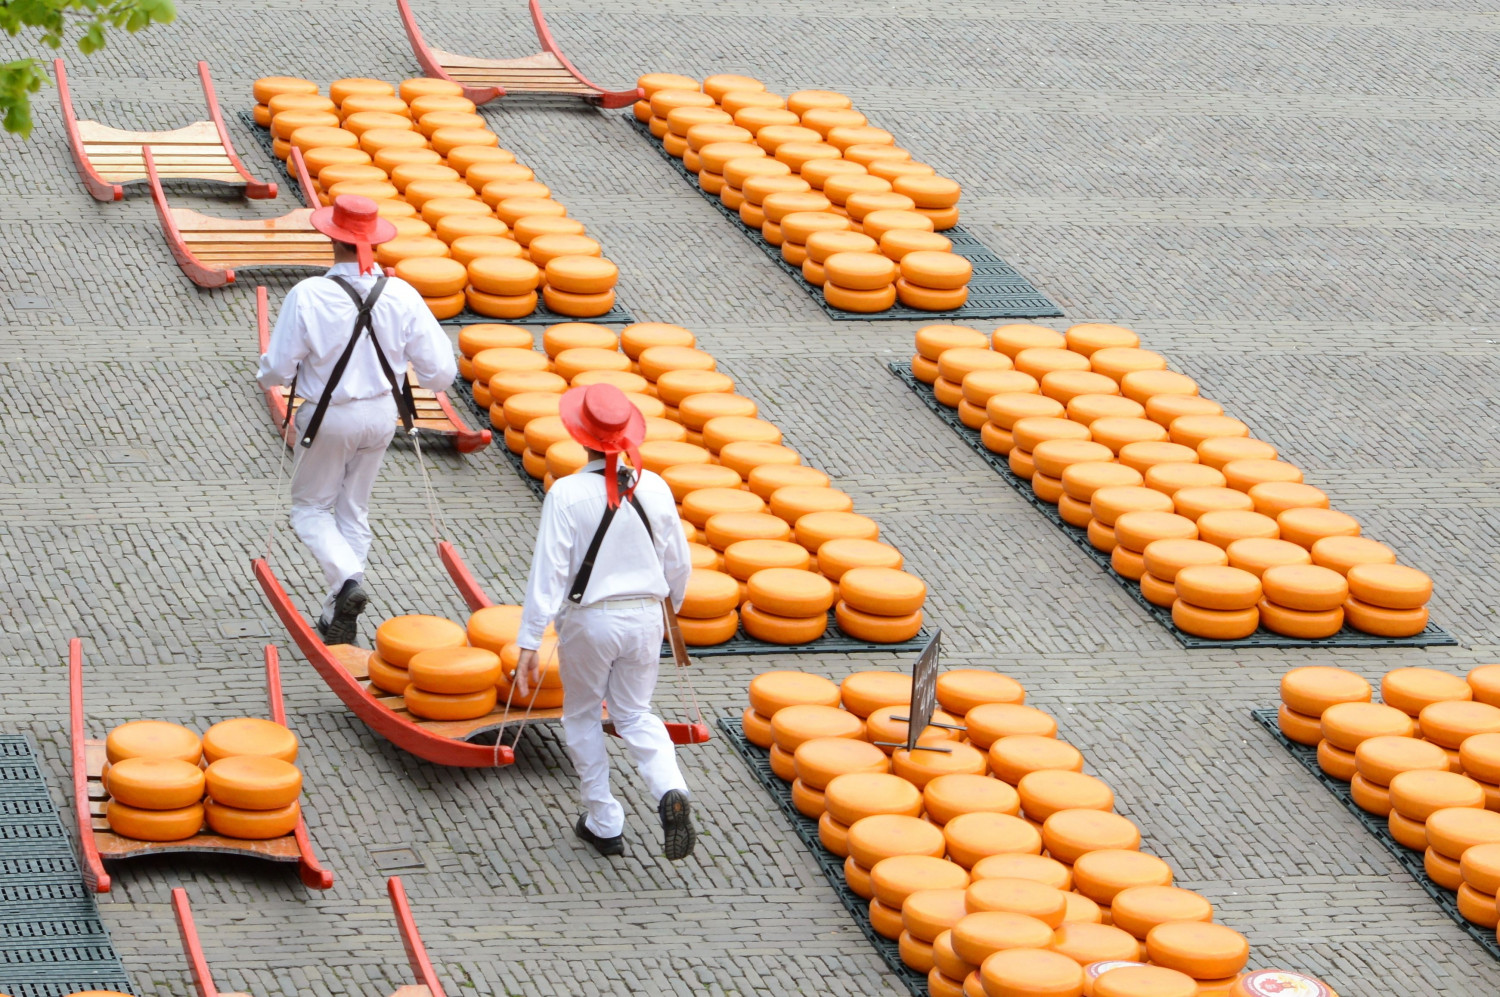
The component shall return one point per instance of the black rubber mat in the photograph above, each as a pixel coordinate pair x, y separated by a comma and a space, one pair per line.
833, 641
759, 761
1409, 859
52, 941
1432, 636
996, 290
542, 316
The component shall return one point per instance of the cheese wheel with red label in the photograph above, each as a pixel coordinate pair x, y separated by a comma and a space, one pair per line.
1346, 725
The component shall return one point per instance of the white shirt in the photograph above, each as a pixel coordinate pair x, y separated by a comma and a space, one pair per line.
628, 565
314, 326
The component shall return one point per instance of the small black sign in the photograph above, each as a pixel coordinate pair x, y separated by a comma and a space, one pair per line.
923, 690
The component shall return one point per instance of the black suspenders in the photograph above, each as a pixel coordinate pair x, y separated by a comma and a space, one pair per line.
400, 390
586, 569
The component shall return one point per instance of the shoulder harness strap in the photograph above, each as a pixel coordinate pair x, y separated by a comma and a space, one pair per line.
363, 322
586, 569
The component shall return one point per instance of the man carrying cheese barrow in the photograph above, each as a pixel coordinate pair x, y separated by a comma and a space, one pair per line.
610, 549
356, 386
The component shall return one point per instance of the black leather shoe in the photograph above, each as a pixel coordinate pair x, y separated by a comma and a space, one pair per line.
678, 835
347, 607
604, 846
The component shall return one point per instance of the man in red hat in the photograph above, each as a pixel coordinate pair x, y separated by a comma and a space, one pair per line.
601, 571
355, 388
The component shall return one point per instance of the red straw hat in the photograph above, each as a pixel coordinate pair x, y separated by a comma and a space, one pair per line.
601, 418
355, 220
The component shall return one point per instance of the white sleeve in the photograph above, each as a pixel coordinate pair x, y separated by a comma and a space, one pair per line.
427, 347
672, 548
547, 583
288, 346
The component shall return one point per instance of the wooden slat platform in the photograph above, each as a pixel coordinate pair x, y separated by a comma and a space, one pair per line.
111, 845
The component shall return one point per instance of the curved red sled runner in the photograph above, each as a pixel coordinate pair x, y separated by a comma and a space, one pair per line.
546, 72
345, 668
426, 985
99, 844
436, 415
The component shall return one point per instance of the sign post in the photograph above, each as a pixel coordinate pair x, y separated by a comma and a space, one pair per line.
924, 674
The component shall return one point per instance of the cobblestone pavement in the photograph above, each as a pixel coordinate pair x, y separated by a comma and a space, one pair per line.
1295, 201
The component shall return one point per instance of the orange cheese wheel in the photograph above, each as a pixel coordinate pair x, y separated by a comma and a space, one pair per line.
783, 764
1450, 723
1381, 759
772, 691
254, 782
1306, 587
915, 953
883, 729
1479, 756
1070, 834
730, 527
1087, 338
928, 913
796, 724
636, 339
1336, 762
1312, 690
150, 783
1014, 338
474, 339
1384, 622
1101, 875
288, 121
450, 706
920, 767
817, 528
1143, 385
757, 728
1117, 433
1215, 624
155, 825
1416, 795
876, 629
1008, 409
1195, 503
466, 249
882, 836
837, 556
249, 736
1389, 586
1039, 361
1272, 498
1088, 408
1023, 971
1138, 909
1346, 725
723, 430
388, 254
963, 689
745, 558
674, 387
1110, 503
1306, 526
1370, 797
947, 796
1173, 477
658, 455
1298, 726
1244, 475
1025, 865
1476, 907
1053, 457
1217, 587
1411, 690
1193, 430
896, 878
1117, 361
501, 277
1451, 832
387, 677
1143, 981
1480, 868
700, 505
317, 160
776, 629
522, 409
1223, 527
1045, 792
989, 722
934, 270
1134, 531
312, 137
579, 305
1066, 385
1217, 450
1146, 454
808, 801
1341, 553
983, 933
885, 921
793, 592
1081, 481
856, 795
1090, 943
253, 825
706, 633
820, 760
1165, 408
152, 739
1164, 558
1258, 554
977, 835
433, 276
1032, 431
454, 670
882, 591
709, 595
1408, 833
267, 88
833, 835
683, 479
1016, 756
1018, 896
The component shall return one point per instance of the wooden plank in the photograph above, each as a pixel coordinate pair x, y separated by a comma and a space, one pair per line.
197, 133
449, 60
188, 220
170, 151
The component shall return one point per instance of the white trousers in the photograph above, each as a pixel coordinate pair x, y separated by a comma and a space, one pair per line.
332, 483
612, 655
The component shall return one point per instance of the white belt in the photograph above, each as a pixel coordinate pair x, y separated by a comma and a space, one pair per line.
621, 604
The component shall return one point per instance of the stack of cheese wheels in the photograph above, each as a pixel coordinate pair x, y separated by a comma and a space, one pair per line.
1303, 600
1389, 600
875, 839
1417, 795
400, 639
859, 282
1479, 875
1345, 726
794, 726
1217, 602
787, 605
1413, 690
934, 281
1213, 955
1380, 759
878, 604
1451, 834
474, 339
452, 683
934, 340
268, 88
709, 613
253, 796
154, 783
1306, 693
438, 173
774, 691
1479, 759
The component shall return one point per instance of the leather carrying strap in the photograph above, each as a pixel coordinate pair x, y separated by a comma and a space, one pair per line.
363, 322
586, 569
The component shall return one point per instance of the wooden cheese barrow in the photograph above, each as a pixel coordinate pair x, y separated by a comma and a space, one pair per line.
426, 985
436, 415
547, 72
345, 668
99, 844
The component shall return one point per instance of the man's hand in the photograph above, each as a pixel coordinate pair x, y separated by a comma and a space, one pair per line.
528, 673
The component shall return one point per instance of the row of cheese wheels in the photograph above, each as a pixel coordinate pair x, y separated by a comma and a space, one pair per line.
474, 227
447, 671
997, 843
165, 782
841, 199
1427, 759
735, 482
1129, 451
